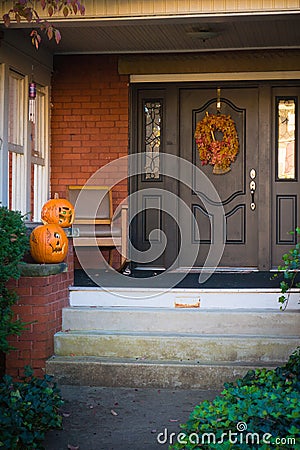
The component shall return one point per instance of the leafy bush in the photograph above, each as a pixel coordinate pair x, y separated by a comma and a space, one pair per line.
290, 270
27, 410
259, 411
14, 243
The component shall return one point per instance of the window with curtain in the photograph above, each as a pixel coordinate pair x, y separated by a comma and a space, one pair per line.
28, 146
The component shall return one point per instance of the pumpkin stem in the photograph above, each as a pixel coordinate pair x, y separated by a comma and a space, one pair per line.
56, 195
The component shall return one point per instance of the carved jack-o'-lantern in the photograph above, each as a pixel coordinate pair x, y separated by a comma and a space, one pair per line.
59, 211
48, 244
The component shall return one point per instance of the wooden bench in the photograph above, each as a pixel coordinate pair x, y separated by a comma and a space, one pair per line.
93, 224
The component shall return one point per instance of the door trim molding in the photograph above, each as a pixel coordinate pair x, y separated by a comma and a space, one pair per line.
226, 76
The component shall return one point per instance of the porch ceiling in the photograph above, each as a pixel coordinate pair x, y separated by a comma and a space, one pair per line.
177, 34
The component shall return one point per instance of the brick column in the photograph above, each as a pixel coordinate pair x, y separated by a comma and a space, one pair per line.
41, 300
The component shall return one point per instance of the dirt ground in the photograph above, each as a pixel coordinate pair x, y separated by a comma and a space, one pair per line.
100, 418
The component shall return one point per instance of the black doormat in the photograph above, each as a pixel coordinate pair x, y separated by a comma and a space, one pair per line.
149, 279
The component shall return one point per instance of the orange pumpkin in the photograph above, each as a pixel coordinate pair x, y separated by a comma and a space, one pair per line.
48, 244
58, 210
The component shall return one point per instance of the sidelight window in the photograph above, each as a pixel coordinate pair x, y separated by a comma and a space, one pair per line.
152, 138
286, 138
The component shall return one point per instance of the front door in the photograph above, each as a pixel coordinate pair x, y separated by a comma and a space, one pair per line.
259, 194
240, 205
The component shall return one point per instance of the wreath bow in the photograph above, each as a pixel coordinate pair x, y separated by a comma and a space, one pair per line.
218, 153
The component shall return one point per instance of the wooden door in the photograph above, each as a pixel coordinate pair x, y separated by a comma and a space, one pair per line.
240, 206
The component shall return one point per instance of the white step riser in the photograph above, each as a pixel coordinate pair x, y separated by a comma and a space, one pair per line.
183, 321
166, 298
196, 348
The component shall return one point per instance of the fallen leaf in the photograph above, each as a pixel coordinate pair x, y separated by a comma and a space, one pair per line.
114, 413
153, 431
66, 414
73, 447
173, 420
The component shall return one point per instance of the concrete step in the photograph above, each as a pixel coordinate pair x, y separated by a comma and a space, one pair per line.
168, 347
170, 320
93, 371
179, 346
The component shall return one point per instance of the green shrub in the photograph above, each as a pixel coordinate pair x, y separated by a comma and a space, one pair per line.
13, 245
27, 410
253, 412
289, 270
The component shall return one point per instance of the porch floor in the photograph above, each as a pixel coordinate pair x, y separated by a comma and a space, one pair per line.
219, 280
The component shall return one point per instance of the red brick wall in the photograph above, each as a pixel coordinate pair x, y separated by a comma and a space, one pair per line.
41, 300
89, 119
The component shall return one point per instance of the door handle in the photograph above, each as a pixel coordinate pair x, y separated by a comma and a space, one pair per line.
252, 186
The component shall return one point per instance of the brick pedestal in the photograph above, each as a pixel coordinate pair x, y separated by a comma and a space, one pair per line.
41, 300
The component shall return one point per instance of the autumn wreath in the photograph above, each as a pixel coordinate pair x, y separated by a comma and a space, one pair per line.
218, 153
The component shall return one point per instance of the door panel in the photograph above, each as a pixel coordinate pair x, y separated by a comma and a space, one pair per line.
233, 187
150, 203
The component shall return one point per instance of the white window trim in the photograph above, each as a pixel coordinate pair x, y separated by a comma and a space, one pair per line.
3, 141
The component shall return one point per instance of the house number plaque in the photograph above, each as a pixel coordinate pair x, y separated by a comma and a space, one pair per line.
252, 186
